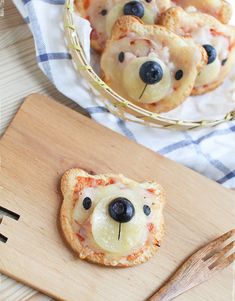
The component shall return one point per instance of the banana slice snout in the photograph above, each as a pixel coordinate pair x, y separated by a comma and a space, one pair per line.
146, 80
115, 237
209, 73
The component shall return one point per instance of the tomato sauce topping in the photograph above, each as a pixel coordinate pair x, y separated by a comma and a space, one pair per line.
86, 4
156, 243
134, 255
151, 227
91, 182
80, 237
94, 34
215, 33
151, 190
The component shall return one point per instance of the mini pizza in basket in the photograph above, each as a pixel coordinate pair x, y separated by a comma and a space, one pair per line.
150, 65
154, 54
110, 219
102, 14
217, 39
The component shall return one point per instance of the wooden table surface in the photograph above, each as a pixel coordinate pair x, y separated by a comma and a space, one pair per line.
20, 76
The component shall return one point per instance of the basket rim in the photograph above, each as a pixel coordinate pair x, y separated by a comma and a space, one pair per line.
148, 117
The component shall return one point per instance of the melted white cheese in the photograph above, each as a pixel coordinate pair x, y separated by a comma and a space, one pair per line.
100, 231
191, 9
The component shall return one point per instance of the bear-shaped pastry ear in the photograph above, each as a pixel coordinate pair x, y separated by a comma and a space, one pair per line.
216, 38
102, 15
69, 182
220, 9
150, 65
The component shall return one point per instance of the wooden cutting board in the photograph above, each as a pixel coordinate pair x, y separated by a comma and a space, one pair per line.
44, 140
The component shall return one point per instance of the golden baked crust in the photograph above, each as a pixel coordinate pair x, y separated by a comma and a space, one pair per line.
184, 54
68, 188
221, 9
225, 12
183, 23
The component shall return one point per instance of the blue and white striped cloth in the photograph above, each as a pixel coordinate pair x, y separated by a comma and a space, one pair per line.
210, 151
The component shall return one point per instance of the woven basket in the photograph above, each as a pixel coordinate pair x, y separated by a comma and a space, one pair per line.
116, 104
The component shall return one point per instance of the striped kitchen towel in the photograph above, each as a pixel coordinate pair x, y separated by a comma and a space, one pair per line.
210, 151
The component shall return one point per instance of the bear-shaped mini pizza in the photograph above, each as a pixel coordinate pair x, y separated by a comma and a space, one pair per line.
110, 219
102, 14
217, 39
150, 65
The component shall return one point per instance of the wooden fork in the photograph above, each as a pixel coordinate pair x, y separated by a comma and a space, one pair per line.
201, 266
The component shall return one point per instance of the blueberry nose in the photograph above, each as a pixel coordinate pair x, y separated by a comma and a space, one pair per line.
134, 8
151, 72
211, 53
121, 210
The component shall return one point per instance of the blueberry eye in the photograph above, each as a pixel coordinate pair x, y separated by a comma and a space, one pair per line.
151, 72
121, 210
179, 74
148, 1
104, 12
224, 62
211, 53
87, 203
147, 210
134, 8
121, 57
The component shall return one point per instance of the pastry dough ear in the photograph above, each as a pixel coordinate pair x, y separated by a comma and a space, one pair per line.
123, 25
69, 181
181, 22
225, 12
220, 9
